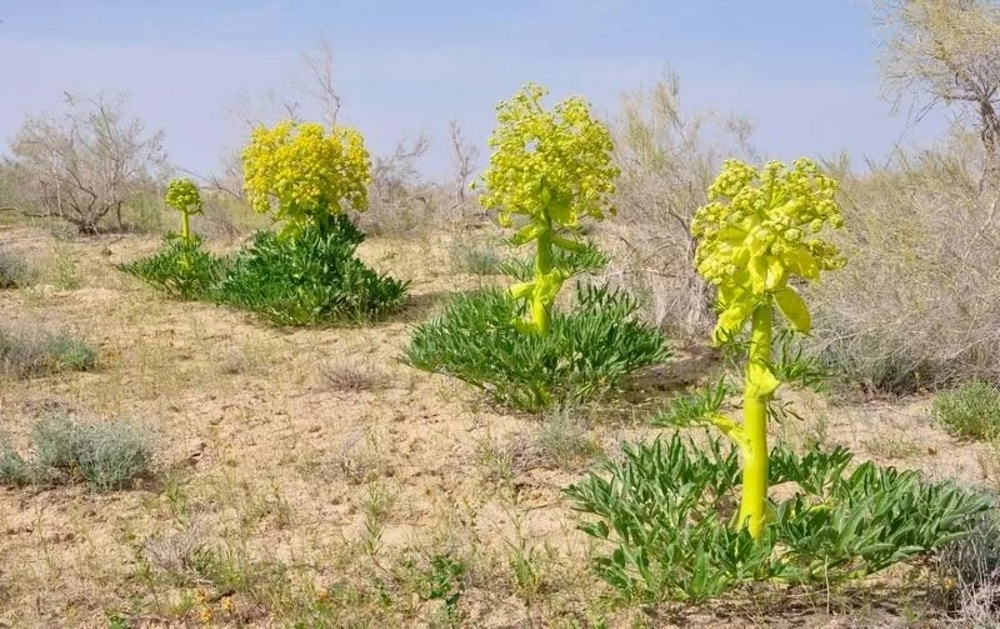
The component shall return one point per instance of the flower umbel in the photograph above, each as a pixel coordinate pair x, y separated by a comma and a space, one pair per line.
760, 229
302, 172
558, 162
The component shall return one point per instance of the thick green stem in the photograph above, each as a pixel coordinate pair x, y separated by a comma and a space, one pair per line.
755, 402
185, 226
541, 305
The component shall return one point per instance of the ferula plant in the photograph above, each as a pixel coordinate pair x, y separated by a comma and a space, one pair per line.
759, 232
301, 173
553, 168
183, 196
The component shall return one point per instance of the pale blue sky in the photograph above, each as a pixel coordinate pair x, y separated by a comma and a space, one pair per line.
803, 71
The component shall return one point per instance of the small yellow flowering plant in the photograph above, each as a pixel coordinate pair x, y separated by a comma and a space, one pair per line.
758, 232
302, 173
183, 196
554, 168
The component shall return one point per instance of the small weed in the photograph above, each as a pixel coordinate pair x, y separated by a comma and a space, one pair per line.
440, 576
14, 470
66, 276
377, 505
116, 620
972, 410
970, 572
565, 441
233, 362
361, 459
500, 461
173, 554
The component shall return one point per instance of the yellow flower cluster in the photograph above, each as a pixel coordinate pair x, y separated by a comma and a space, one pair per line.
305, 171
557, 162
760, 228
183, 196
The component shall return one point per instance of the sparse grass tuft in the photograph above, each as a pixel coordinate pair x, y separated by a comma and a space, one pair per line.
353, 377
104, 456
972, 410
26, 353
564, 441
500, 461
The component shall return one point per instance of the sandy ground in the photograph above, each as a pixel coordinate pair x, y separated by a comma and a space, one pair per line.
314, 464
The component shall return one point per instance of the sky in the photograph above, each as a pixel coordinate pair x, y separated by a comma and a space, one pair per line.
804, 72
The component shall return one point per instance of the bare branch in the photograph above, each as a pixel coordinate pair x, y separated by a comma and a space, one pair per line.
319, 83
86, 164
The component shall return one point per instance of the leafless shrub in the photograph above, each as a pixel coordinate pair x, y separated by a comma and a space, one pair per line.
667, 161
919, 302
942, 53
87, 164
399, 202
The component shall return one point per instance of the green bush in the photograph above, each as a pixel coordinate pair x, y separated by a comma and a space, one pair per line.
182, 269
310, 277
971, 410
25, 353
666, 509
103, 456
588, 352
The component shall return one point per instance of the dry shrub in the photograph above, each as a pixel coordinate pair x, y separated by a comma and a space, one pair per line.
401, 202
918, 304
668, 159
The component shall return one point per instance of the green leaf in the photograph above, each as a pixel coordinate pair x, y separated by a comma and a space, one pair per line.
791, 304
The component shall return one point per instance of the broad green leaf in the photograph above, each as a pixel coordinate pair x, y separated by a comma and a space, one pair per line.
791, 304
731, 321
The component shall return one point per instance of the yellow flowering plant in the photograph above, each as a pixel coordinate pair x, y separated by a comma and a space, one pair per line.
554, 168
183, 196
301, 172
759, 231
